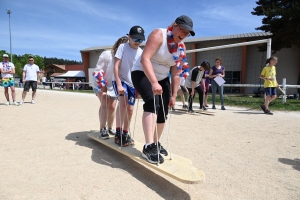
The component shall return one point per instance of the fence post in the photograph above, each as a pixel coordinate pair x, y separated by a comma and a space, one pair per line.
284, 90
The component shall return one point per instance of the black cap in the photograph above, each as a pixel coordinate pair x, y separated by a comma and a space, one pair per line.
186, 23
137, 32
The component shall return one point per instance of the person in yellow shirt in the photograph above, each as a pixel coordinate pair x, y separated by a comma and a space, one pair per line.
268, 74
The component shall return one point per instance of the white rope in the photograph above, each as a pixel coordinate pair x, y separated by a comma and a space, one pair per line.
158, 151
135, 117
120, 122
162, 102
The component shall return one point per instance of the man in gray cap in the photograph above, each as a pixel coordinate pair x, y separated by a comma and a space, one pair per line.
8, 70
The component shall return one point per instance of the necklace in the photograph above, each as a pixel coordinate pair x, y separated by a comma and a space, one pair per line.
178, 53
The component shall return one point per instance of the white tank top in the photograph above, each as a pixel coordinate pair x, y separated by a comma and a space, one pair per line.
162, 60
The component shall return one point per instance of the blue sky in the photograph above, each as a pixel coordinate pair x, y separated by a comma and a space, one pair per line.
61, 28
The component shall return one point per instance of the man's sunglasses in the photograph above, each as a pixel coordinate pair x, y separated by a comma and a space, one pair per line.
138, 40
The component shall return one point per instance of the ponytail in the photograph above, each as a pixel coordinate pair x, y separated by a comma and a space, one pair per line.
271, 58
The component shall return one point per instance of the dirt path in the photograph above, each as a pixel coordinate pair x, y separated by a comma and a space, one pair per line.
46, 154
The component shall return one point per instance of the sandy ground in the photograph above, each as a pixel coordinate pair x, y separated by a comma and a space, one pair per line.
46, 154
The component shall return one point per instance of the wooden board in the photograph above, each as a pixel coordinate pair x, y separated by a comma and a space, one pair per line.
179, 168
204, 112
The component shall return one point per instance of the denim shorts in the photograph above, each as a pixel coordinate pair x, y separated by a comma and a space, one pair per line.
270, 91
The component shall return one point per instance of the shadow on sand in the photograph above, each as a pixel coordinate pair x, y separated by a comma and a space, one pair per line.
115, 159
294, 163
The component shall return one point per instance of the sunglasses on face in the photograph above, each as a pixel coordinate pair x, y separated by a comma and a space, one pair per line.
30, 60
138, 40
185, 32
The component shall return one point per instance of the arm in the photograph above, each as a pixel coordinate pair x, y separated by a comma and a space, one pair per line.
117, 77
193, 88
153, 43
24, 75
210, 74
38, 77
6, 72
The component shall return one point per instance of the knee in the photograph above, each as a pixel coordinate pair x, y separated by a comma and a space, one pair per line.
149, 106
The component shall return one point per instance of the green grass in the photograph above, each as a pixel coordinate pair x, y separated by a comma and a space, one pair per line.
253, 102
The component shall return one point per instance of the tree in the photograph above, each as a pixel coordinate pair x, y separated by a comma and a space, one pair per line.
282, 20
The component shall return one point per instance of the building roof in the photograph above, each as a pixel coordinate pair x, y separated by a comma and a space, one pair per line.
200, 39
63, 67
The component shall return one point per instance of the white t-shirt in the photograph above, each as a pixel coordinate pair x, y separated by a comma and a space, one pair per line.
44, 79
7, 66
31, 72
106, 63
128, 57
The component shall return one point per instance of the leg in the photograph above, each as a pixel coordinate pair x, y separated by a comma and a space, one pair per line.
182, 97
102, 110
13, 93
6, 93
191, 99
111, 111
221, 90
200, 93
33, 95
214, 91
120, 112
24, 95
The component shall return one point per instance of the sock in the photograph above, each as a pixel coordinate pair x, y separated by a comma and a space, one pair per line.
118, 131
147, 144
125, 132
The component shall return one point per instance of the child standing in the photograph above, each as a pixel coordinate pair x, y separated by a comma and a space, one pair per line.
125, 57
268, 74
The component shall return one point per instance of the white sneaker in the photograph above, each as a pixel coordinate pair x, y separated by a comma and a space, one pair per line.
7, 103
21, 102
32, 102
15, 103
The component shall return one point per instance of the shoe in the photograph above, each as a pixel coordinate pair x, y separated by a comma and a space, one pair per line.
21, 102
7, 103
15, 103
163, 151
206, 106
103, 134
185, 106
223, 108
150, 153
32, 101
263, 107
129, 139
125, 141
213, 107
111, 131
191, 112
268, 112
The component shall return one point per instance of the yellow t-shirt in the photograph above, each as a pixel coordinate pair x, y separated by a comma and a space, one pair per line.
269, 72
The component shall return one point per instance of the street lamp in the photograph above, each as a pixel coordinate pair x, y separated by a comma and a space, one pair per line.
9, 12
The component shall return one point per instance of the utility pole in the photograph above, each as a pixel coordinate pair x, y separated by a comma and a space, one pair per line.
9, 12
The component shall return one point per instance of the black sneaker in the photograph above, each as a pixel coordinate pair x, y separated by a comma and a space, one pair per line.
191, 112
203, 108
185, 106
163, 151
263, 107
150, 153
268, 112
124, 140
103, 134
128, 138
111, 131
223, 108
213, 107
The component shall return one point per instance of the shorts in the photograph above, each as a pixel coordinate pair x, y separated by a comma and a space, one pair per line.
110, 92
206, 87
44, 83
8, 82
270, 91
32, 84
129, 92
